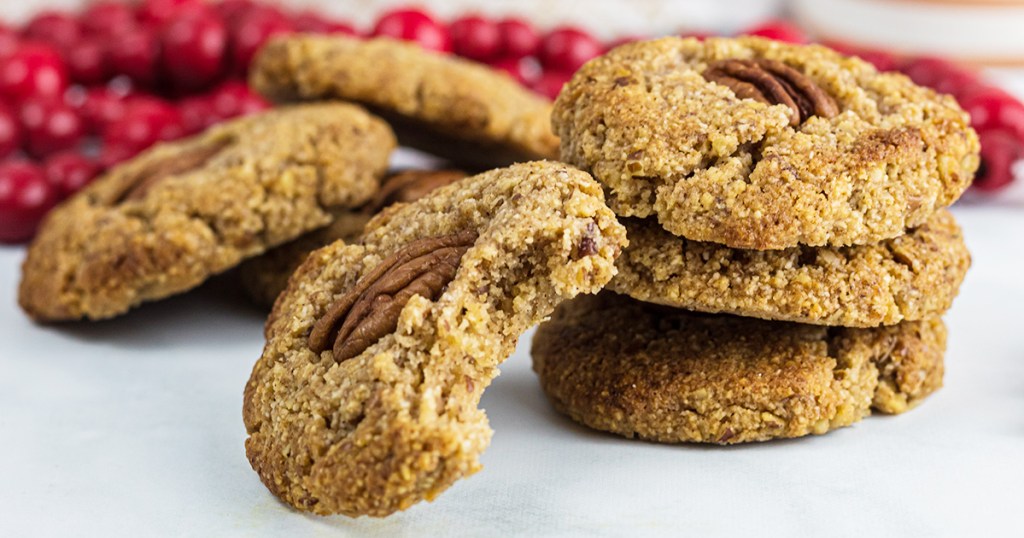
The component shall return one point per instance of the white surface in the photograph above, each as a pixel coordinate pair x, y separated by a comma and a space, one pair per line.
133, 427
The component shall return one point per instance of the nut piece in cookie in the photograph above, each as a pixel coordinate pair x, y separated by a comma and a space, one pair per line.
265, 276
365, 400
467, 113
912, 277
640, 370
181, 212
757, 144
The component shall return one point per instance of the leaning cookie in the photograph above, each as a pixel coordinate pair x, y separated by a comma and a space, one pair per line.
181, 212
912, 277
758, 144
265, 276
667, 375
465, 112
365, 400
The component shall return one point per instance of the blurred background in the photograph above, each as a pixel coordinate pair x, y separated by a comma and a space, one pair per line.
87, 84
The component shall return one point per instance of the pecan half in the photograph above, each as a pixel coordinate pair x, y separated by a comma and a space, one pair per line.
774, 83
410, 186
158, 169
370, 310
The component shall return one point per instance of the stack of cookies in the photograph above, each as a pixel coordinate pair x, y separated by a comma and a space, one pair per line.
789, 255
789, 252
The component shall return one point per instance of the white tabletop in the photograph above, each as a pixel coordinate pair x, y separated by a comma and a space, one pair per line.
132, 427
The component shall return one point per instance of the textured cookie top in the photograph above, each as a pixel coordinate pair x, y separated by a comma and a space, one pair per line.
460, 110
648, 371
715, 163
374, 430
911, 277
175, 215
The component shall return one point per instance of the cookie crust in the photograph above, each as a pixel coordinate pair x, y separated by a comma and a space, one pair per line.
668, 143
639, 370
465, 112
400, 422
911, 277
257, 182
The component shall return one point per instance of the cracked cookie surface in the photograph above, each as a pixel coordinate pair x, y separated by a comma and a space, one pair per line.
265, 277
640, 370
667, 142
914, 276
465, 112
181, 212
399, 422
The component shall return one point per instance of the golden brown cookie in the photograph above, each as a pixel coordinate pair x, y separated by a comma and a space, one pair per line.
365, 400
758, 144
668, 375
181, 212
265, 276
912, 277
465, 112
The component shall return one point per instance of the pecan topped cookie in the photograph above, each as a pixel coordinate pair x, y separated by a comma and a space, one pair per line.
365, 400
465, 112
265, 276
757, 144
181, 212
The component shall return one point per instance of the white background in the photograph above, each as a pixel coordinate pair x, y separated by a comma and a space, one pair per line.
132, 427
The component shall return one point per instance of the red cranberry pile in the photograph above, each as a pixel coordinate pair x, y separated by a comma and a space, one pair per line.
80, 92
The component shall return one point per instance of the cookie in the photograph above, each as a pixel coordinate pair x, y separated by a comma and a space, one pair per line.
912, 277
758, 144
465, 112
265, 276
365, 400
640, 370
181, 212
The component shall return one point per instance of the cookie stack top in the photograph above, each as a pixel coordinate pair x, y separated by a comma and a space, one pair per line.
772, 180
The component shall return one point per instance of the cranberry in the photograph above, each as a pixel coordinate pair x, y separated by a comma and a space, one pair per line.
883, 61
87, 61
927, 71
102, 106
999, 151
315, 23
146, 122
232, 10
234, 98
958, 82
518, 38
25, 197
134, 53
992, 108
69, 172
108, 18
550, 83
567, 49
475, 37
414, 25
10, 132
8, 40
525, 70
49, 126
779, 31
33, 70
252, 30
54, 27
157, 12
196, 114
194, 45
